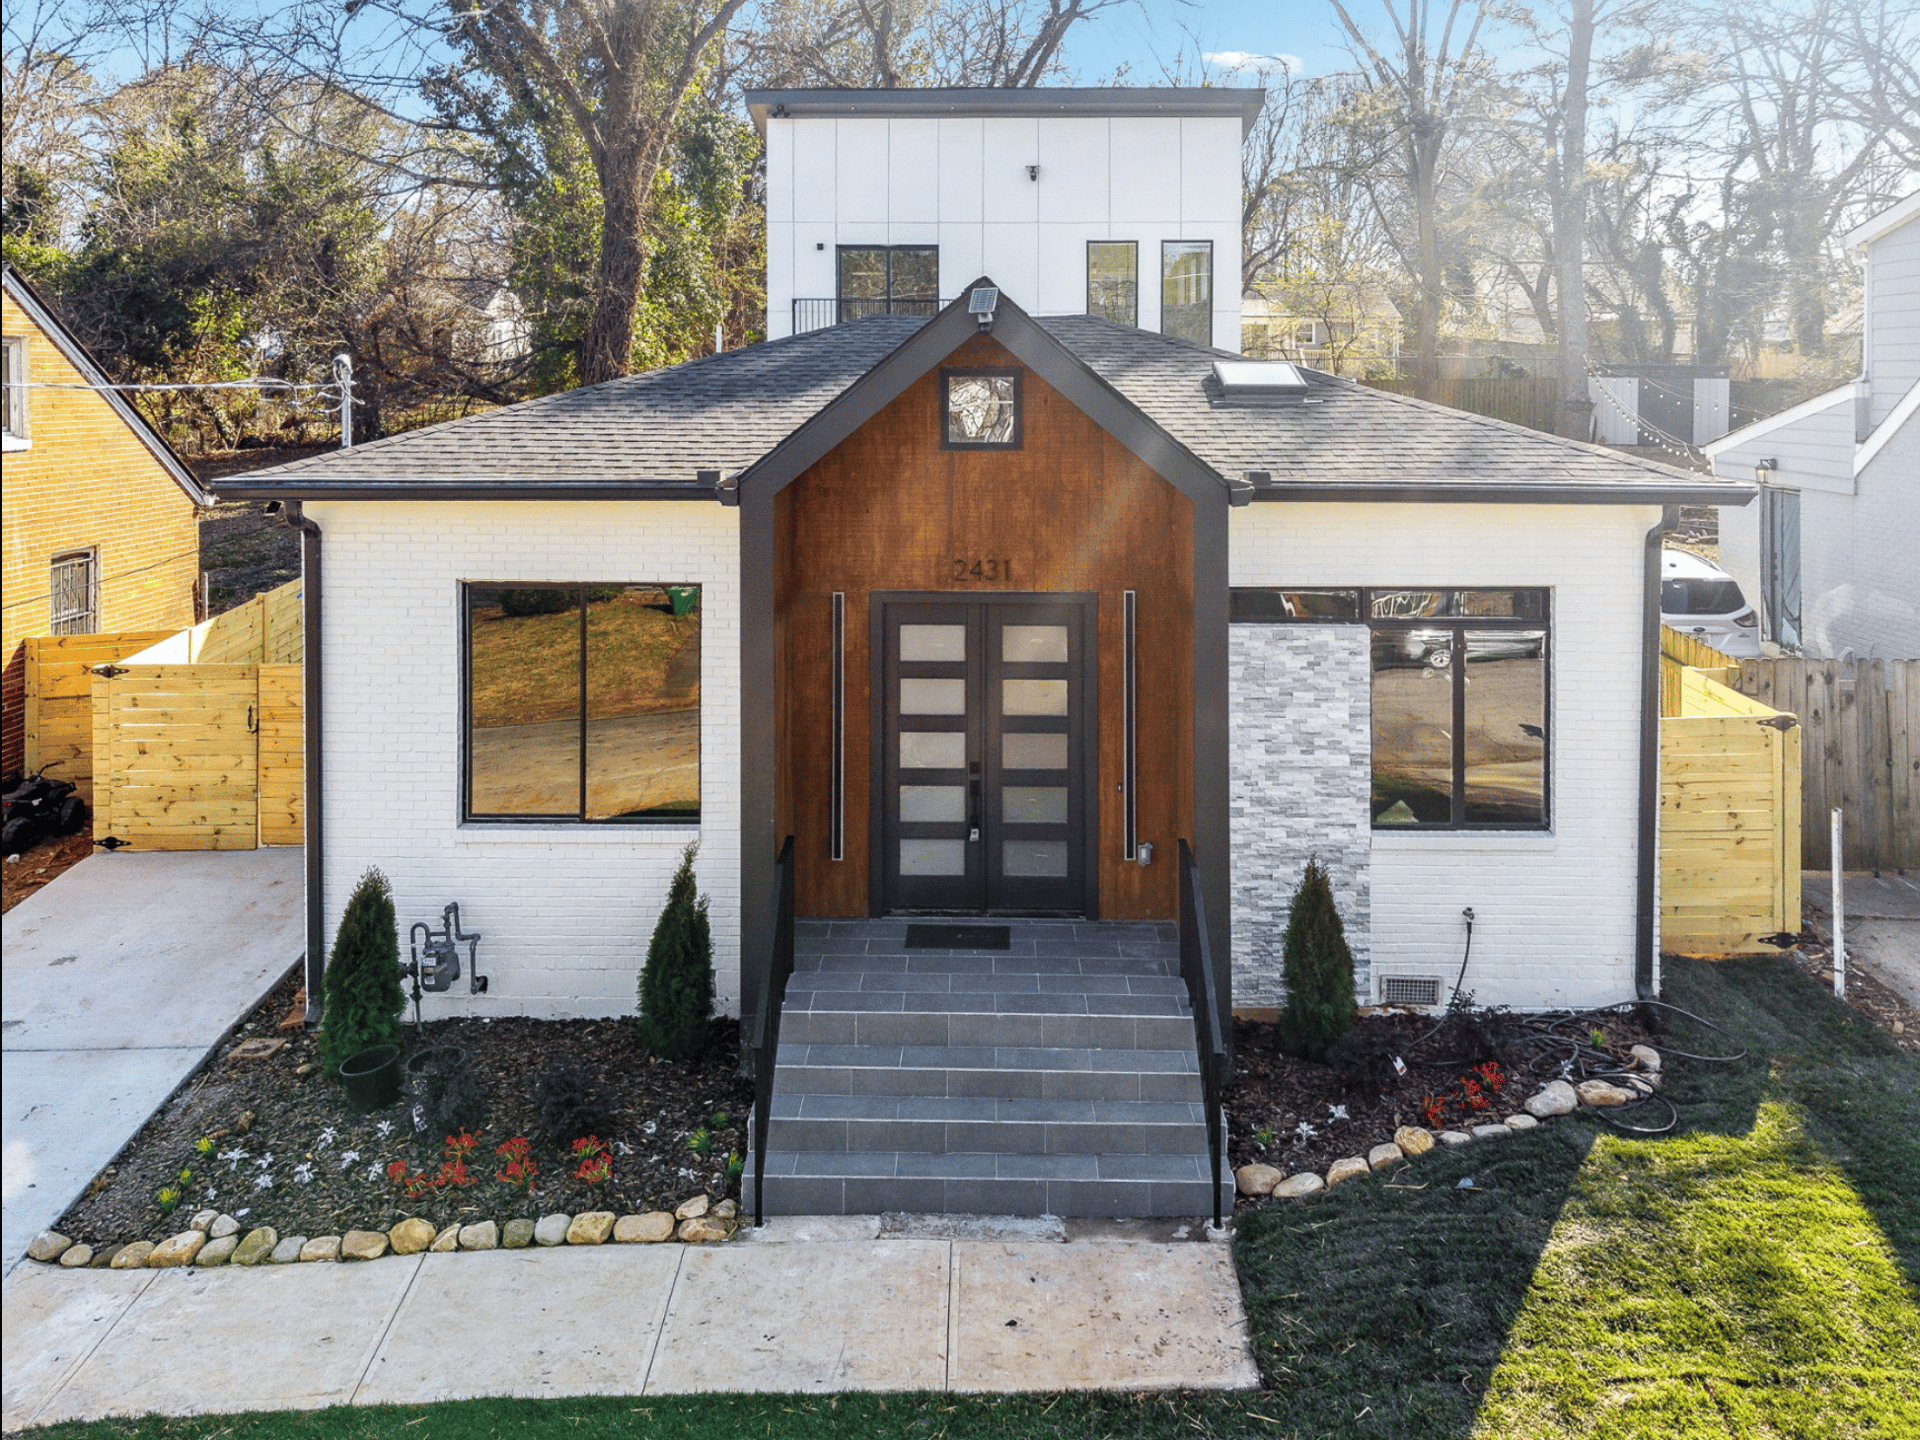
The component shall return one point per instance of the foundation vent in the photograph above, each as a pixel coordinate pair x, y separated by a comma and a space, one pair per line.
1409, 989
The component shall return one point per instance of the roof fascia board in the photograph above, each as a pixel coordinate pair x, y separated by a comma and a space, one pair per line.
1900, 416
463, 487
1028, 342
1883, 224
1553, 492
1186, 101
1733, 439
76, 355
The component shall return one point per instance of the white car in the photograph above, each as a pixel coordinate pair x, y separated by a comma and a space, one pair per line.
1700, 599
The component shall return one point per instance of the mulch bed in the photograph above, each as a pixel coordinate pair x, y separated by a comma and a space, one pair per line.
42, 863
1299, 1115
288, 1153
1880, 1003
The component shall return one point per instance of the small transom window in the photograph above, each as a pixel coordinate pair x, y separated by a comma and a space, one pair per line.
980, 409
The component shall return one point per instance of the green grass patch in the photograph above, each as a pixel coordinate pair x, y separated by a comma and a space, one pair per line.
1753, 1275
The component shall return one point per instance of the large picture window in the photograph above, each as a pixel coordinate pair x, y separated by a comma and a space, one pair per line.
1459, 698
582, 702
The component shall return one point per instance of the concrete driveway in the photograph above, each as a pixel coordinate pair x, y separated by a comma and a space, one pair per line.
119, 976
1883, 925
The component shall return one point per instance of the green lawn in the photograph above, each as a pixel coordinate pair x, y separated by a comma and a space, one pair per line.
1752, 1276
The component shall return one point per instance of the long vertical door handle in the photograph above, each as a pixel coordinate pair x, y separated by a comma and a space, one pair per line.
973, 821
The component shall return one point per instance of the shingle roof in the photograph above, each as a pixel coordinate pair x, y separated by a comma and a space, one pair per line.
652, 434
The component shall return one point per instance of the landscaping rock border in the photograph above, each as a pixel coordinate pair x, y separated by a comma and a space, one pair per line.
1557, 1097
698, 1220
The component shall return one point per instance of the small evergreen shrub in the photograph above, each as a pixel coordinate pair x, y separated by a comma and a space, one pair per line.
538, 602
572, 1103
363, 1001
1319, 971
676, 985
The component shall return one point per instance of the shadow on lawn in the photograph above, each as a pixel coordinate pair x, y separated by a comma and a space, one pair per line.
1856, 1092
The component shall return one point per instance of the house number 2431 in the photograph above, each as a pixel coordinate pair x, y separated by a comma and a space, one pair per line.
982, 569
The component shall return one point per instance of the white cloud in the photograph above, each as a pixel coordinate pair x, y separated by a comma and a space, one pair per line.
1247, 60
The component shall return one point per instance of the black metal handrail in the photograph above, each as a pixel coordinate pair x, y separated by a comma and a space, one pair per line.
1196, 968
763, 1041
818, 312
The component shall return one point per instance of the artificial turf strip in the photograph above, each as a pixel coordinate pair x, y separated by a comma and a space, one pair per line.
1752, 1275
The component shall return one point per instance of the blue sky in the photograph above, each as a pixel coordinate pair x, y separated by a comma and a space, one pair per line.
1143, 35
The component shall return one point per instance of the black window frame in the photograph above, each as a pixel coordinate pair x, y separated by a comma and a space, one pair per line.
889, 304
949, 373
468, 816
1457, 627
1133, 317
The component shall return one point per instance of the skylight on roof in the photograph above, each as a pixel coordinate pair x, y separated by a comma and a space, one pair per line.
1259, 380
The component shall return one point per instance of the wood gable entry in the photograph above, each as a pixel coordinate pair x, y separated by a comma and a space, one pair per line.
863, 521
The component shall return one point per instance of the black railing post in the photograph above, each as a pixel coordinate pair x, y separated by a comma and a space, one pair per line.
1196, 968
763, 1041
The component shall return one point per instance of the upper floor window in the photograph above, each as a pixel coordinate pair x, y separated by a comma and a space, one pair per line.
582, 702
1186, 290
980, 409
1113, 280
13, 368
888, 280
73, 591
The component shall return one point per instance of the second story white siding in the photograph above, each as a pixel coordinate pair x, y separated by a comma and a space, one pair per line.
1015, 184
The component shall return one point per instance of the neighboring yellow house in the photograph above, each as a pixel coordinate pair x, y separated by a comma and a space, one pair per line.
100, 519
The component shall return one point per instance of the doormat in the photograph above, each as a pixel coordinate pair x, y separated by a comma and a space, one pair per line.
959, 937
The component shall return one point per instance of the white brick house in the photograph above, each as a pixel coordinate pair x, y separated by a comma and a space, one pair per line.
1050, 618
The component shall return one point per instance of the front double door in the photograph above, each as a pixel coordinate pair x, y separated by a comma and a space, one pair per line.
986, 732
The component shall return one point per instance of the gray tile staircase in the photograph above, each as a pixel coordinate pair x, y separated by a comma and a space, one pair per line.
1056, 1077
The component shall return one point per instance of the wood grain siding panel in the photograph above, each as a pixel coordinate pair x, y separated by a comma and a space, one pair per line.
1071, 510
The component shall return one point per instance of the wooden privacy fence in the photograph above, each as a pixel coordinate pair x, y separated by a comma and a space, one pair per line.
200, 754
1862, 720
57, 706
1524, 400
1730, 816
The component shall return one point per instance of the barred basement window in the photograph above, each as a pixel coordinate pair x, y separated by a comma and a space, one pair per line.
73, 589
582, 702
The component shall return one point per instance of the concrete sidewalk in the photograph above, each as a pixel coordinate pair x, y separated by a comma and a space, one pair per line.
119, 976
780, 1312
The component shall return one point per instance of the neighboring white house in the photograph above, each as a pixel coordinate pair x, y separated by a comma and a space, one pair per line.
1118, 202
1833, 548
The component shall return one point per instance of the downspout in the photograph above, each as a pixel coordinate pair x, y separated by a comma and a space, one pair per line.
313, 754
1646, 886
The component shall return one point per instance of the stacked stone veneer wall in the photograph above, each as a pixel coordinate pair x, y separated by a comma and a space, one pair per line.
1301, 752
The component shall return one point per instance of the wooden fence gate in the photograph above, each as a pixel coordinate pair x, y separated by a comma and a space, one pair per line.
197, 757
1729, 812
57, 708
197, 739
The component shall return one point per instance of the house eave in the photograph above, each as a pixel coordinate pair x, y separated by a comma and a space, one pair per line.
1398, 492
467, 487
1105, 102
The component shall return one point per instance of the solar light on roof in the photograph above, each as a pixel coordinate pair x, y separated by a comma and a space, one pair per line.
981, 304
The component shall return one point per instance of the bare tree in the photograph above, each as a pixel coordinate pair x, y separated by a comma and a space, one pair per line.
1424, 88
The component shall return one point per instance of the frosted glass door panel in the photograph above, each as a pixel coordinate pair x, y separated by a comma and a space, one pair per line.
1033, 697
934, 750
933, 857
1034, 804
1034, 644
935, 804
933, 642
933, 697
1033, 752
1035, 859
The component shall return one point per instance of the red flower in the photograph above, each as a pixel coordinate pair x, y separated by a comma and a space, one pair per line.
1491, 1072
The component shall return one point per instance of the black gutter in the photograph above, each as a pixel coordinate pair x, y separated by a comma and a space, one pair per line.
312, 755
1480, 492
1646, 887
462, 488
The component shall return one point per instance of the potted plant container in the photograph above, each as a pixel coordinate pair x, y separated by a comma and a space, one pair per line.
371, 1078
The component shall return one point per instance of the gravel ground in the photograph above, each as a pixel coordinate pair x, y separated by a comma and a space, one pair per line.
287, 1152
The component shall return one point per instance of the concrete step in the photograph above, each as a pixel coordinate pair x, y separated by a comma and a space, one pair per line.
962, 1022
943, 1126
986, 1072
988, 1183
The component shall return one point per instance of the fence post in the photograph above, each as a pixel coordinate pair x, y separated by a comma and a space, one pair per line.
1839, 883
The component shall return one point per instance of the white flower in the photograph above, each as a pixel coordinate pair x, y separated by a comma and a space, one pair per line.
265, 1160
211, 1192
621, 1147
648, 1128
1339, 1113
374, 1172
263, 1182
347, 1157
233, 1157
385, 1127
1303, 1131
325, 1138
303, 1173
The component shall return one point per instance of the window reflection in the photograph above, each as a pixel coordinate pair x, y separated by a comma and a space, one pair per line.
1412, 727
523, 701
643, 701
1506, 736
